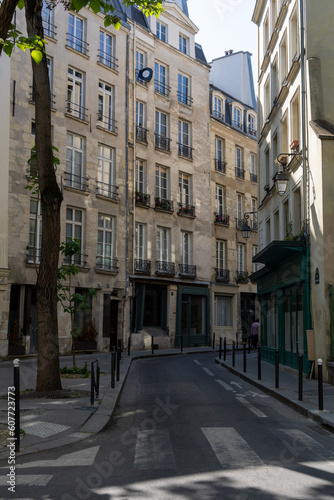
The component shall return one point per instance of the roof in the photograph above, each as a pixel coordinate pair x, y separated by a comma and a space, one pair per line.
199, 54
230, 98
323, 129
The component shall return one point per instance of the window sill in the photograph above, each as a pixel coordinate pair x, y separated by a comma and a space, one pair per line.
106, 271
107, 198
71, 49
75, 190
106, 130
68, 115
115, 71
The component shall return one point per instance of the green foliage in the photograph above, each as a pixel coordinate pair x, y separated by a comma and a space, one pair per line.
33, 185
76, 370
33, 43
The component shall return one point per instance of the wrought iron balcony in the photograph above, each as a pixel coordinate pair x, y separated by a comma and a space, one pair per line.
220, 165
49, 29
76, 110
77, 43
184, 98
242, 277
218, 114
185, 151
34, 255
107, 264
238, 125
254, 225
79, 259
162, 204
186, 210
162, 142
107, 60
253, 177
239, 172
165, 268
142, 199
222, 275
187, 271
222, 219
105, 189
162, 88
141, 134
252, 132
107, 123
76, 181
142, 266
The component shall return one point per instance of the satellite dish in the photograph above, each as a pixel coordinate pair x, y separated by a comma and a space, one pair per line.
145, 74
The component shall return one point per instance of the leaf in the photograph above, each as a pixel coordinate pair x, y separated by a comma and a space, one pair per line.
78, 4
95, 6
37, 56
21, 4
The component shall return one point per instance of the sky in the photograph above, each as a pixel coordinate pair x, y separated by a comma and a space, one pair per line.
225, 25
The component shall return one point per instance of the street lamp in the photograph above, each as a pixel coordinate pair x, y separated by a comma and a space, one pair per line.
245, 229
282, 176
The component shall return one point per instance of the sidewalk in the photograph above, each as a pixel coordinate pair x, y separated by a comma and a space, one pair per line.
51, 423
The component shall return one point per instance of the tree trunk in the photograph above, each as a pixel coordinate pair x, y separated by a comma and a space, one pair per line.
7, 9
48, 375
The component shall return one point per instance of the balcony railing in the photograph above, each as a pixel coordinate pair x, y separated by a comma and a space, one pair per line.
238, 125
162, 88
77, 43
76, 181
107, 264
242, 277
163, 204
142, 199
107, 123
185, 151
162, 142
34, 255
252, 132
218, 114
220, 165
186, 210
222, 219
105, 189
184, 98
222, 275
165, 268
79, 259
253, 177
142, 266
187, 271
107, 60
239, 172
76, 110
141, 134
49, 29
254, 225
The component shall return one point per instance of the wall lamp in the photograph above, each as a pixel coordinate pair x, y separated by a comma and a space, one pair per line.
246, 229
282, 176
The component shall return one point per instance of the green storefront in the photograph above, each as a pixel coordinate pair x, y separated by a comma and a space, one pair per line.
193, 316
284, 296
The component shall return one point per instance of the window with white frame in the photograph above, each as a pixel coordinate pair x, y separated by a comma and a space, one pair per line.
241, 258
183, 89
220, 199
106, 105
141, 132
107, 50
253, 174
220, 254
283, 59
75, 230
141, 176
163, 244
184, 143
237, 117
224, 308
161, 131
185, 189
240, 209
76, 33
140, 250
254, 215
295, 118
161, 182
218, 107
161, 79
140, 64
186, 248
48, 20
255, 265
183, 44
239, 171
75, 162
75, 93
106, 171
35, 231
294, 35
161, 31
106, 243
251, 124
219, 155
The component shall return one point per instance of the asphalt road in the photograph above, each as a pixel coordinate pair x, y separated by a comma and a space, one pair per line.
185, 428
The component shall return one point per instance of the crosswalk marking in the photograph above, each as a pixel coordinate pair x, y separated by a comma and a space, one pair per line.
226, 386
298, 441
197, 362
75, 459
209, 372
230, 448
154, 450
251, 407
31, 480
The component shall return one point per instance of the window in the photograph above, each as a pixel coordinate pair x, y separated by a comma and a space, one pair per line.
47, 19
184, 139
183, 44
141, 132
106, 243
241, 258
253, 175
161, 182
106, 171
140, 251
251, 124
75, 162
163, 244
267, 104
219, 155
35, 231
218, 108
254, 216
140, 64
140, 176
274, 83
107, 50
75, 94
220, 199
223, 311
183, 89
161, 31
237, 117
74, 230
106, 107
295, 118
255, 266
240, 210
283, 59
267, 168
76, 34
294, 36
239, 172
161, 80
285, 133
220, 254
186, 248
185, 189
161, 131
266, 34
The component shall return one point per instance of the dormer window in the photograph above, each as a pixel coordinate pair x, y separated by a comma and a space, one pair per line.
161, 31
183, 44
251, 124
218, 107
238, 117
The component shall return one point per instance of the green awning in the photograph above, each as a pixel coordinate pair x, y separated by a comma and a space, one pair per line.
277, 251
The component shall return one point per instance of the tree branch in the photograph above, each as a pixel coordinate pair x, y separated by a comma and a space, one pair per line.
7, 10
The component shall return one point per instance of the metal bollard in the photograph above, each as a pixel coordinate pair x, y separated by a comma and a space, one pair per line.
320, 386
276, 369
259, 363
220, 348
129, 345
244, 357
233, 353
92, 384
300, 378
16, 363
118, 363
113, 356
97, 378
214, 340
224, 348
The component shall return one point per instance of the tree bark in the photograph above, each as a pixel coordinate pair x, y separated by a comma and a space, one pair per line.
48, 375
7, 9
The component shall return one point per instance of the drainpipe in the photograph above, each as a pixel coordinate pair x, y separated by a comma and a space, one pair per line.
126, 183
134, 150
331, 308
303, 110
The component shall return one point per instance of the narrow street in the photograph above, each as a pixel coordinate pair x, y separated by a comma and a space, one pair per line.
185, 428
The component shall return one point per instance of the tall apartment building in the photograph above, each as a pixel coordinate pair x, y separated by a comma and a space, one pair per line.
295, 116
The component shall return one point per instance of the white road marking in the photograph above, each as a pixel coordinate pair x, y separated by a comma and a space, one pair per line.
238, 385
33, 480
251, 407
154, 450
209, 372
297, 441
223, 384
230, 448
197, 362
43, 429
75, 459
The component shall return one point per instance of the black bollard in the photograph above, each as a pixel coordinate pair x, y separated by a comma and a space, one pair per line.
259, 363
220, 348
92, 384
97, 379
224, 348
320, 386
300, 378
244, 357
17, 403
113, 363
118, 363
233, 353
276, 369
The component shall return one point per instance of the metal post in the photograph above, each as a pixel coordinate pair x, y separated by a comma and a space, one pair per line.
16, 363
152, 344
92, 384
300, 378
224, 348
233, 353
320, 386
129, 345
259, 363
119, 347
214, 340
244, 357
276, 369
220, 348
113, 355
118, 363
97, 379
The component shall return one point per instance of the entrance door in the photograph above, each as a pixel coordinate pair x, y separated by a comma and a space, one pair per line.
193, 319
152, 311
293, 337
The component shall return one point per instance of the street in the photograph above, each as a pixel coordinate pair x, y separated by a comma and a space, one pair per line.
185, 428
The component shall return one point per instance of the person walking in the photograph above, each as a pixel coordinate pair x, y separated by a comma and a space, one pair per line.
255, 333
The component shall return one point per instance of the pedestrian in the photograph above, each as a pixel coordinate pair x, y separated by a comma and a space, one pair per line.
255, 333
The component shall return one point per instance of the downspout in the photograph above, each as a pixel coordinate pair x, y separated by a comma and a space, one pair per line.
126, 294
331, 308
134, 151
